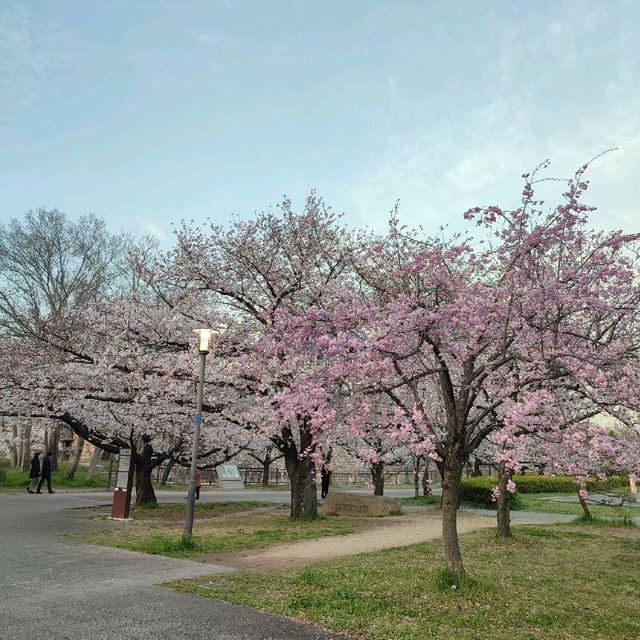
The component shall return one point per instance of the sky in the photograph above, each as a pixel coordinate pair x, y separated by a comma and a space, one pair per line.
149, 112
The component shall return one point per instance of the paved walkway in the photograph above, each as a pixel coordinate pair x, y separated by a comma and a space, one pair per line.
53, 588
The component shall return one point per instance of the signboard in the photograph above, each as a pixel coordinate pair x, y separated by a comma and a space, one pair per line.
229, 477
124, 463
228, 472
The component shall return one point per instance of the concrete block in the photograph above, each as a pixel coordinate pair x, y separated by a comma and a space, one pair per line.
352, 504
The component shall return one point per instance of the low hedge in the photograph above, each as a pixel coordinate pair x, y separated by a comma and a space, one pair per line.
478, 489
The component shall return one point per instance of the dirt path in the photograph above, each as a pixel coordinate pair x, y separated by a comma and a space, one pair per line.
406, 530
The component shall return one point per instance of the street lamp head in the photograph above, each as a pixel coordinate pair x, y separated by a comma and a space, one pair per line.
205, 336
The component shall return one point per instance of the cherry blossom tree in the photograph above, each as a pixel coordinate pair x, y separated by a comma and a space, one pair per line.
244, 274
463, 329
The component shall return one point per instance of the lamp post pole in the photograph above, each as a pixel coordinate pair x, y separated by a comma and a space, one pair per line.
191, 499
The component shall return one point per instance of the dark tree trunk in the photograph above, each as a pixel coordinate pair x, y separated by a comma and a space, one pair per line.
451, 481
165, 472
426, 485
416, 483
302, 475
477, 471
504, 502
71, 473
26, 446
144, 467
377, 476
266, 466
441, 466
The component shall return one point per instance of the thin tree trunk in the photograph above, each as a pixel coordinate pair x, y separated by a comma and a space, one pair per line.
165, 472
377, 476
14, 446
451, 483
26, 446
416, 483
76, 459
504, 501
584, 505
426, 485
93, 463
53, 447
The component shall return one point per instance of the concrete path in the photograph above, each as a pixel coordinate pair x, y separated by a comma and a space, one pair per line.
54, 588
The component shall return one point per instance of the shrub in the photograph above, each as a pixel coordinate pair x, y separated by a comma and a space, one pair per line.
477, 490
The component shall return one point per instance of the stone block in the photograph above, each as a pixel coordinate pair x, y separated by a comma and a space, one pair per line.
353, 504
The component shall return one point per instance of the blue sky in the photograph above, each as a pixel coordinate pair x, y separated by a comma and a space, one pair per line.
149, 112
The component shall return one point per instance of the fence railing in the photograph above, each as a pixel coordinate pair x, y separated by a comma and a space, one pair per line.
254, 475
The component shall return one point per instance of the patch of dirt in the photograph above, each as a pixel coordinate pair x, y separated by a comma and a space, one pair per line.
381, 534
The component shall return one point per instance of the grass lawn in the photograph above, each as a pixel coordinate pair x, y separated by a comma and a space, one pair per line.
540, 502
16, 479
546, 583
162, 534
174, 511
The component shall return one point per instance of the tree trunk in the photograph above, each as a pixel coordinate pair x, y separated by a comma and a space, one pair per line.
266, 465
76, 459
145, 493
93, 463
26, 446
53, 447
304, 493
302, 473
14, 447
504, 502
165, 472
377, 476
416, 483
585, 506
451, 483
426, 485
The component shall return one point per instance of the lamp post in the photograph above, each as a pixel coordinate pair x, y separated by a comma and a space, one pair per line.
203, 347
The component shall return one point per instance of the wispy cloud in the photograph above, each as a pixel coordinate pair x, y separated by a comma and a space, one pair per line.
30, 52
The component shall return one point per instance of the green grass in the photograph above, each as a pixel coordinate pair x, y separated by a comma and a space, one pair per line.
597, 521
546, 582
17, 479
203, 509
537, 502
214, 537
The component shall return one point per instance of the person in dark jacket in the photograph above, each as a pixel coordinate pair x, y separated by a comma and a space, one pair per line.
46, 473
34, 474
325, 476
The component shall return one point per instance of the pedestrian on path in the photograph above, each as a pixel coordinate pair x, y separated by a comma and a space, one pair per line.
325, 476
34, 474
46, 473
198, 483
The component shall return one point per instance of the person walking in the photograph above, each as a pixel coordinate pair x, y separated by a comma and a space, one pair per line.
325, 476
34, 473
198, 483
46, 473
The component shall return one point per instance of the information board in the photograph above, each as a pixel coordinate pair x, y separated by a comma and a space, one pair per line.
124, 463
228, 472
